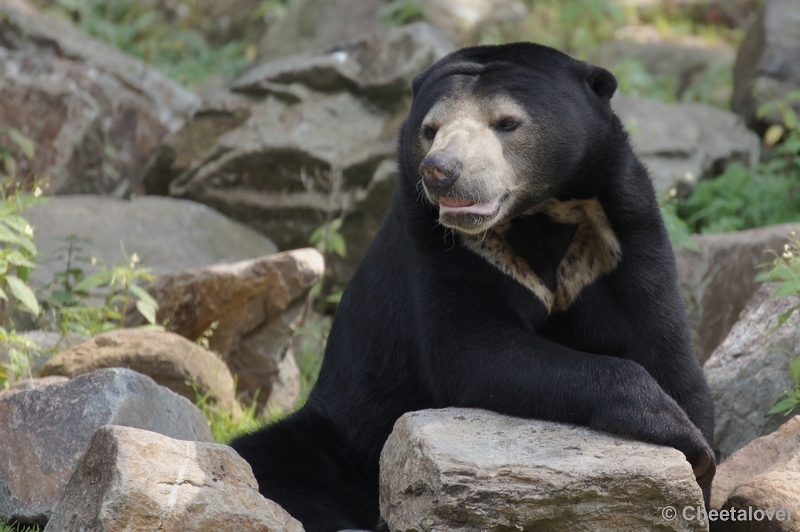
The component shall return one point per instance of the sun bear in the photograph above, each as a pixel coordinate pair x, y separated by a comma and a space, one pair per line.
523, 268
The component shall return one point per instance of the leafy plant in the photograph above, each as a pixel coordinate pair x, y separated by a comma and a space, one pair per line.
785, 269
124, 290
742, 197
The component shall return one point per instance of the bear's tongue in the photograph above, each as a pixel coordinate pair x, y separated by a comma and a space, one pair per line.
458, 205
455, 202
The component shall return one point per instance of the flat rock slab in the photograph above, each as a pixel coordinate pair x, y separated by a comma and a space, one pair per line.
471, 470
764, 475
131, 479
45, 431
171, 360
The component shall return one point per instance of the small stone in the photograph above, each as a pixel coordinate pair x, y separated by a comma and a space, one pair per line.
131, 479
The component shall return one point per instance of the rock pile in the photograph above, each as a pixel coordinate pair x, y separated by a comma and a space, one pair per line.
45, 431
301, 137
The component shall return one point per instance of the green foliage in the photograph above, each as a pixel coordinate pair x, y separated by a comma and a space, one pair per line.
785, 269
400, 12
328, 240
17, 261
744, 198
168, 39
123, 286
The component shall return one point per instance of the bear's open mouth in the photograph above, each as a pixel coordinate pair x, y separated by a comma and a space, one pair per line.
465, 206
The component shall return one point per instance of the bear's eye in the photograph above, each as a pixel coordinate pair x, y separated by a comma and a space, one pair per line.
429, 132
507, 124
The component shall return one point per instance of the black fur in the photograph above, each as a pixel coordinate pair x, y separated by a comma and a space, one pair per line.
426, 323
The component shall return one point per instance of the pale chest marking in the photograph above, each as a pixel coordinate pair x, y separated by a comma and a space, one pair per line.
593, 252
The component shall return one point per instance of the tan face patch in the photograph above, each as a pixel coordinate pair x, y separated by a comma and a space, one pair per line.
494, 163
593, 252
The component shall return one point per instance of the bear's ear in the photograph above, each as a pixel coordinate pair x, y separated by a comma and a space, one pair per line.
602, 82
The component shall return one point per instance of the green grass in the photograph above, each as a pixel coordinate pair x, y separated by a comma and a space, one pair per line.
19, 528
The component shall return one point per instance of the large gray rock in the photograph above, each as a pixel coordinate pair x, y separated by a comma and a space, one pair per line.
763, 475
168, 234
749, 371
46, 430
255, 306
132, 479
295, 128
681, 143
768, 64
95, 114
471, 470
717, 283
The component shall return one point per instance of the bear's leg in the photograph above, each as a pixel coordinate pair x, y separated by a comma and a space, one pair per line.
302, 464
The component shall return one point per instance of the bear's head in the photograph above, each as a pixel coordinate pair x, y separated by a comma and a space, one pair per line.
496, 130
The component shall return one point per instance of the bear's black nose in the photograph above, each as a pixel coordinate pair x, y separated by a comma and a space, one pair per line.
439, 170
